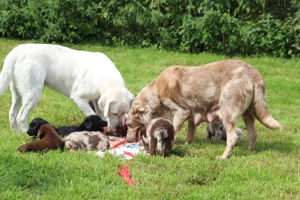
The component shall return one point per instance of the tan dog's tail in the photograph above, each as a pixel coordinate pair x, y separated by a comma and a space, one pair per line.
260, 106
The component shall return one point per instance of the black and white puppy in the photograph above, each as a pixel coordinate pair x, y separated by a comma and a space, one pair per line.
217, 131
90, 123
86, 141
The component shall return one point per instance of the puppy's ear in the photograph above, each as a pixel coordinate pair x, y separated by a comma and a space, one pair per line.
88, 123
41, 134
104, 104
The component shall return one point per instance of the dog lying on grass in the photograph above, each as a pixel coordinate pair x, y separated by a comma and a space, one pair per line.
49, 140
86, 141
90, 123
226, 90
157, 137
217, 131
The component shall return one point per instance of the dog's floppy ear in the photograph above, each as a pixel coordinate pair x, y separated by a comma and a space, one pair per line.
104, 104
139, 111
88, 122
40, 134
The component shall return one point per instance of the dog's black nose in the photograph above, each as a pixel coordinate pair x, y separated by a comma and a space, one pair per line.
119, 127
104, 123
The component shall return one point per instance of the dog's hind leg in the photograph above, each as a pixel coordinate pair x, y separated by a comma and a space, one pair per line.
29, 101
13, 112
249, 118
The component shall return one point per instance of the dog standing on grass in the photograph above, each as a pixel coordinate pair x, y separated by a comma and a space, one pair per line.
80, 75
49, 140
222, 90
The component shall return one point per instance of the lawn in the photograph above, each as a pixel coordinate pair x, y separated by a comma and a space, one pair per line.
271, 171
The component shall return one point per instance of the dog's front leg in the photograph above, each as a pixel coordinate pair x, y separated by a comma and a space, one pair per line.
83, 105
179, 118
190, 137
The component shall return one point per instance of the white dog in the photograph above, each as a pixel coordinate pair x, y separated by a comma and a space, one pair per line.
80, 75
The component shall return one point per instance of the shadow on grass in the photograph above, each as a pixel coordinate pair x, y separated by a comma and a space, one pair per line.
240, 149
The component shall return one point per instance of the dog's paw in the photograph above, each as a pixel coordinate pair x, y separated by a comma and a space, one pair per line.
221, 157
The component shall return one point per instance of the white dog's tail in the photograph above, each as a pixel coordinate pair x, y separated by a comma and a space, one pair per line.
260, 106
7, 70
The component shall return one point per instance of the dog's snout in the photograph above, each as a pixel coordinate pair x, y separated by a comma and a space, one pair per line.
119, 127
104, 123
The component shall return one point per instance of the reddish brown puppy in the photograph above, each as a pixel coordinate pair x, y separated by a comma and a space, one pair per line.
49, 140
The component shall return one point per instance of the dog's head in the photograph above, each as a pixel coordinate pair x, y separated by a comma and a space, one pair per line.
70, 145
115, 105
34, 126
92, 123
47, 129
144, 108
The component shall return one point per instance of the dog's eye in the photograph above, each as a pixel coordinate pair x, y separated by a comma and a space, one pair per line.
115, 113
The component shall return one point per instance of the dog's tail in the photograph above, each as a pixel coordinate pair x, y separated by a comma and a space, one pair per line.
7, 70
260, 106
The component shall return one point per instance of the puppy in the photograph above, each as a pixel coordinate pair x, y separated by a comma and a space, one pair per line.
86, 141
198, 94
80, 75
49, 140
218, 132
160, 133
157, 137
90, 123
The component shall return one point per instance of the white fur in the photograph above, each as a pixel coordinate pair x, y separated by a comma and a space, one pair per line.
80, 75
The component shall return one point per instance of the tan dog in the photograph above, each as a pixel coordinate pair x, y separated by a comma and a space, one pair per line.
226, 90
217, 131
49, 140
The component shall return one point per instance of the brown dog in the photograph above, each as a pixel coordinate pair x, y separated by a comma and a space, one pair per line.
226, 90
49, 140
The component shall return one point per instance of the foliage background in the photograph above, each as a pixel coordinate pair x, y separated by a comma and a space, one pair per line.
225, 27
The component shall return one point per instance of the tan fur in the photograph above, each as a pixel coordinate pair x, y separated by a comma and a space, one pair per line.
49, 140
226, 90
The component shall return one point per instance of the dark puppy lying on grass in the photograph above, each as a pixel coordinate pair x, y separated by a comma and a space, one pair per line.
90, 123
49, 140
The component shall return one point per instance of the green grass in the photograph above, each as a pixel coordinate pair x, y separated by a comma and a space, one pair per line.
271, 171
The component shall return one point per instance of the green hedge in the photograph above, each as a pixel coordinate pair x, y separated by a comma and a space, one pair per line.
225, 27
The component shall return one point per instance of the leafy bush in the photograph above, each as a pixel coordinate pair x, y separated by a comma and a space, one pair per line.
224, 27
